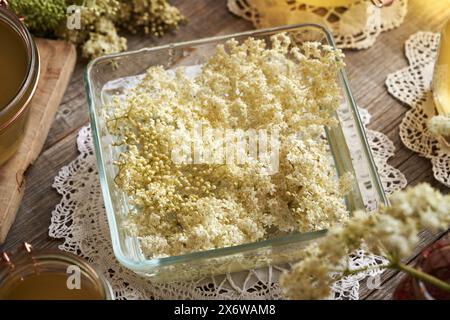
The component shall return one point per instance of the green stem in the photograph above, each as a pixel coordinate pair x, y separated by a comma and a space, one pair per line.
423, 276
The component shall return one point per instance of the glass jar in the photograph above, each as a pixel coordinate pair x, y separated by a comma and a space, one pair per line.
14, 115
50, 275
435, 261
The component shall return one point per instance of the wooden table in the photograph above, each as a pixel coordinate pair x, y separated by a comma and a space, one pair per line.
367, 71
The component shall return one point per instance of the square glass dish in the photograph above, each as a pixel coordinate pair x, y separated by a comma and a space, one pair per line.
349, 150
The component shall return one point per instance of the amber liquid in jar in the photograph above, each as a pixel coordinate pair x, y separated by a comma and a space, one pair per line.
50, 275
19, 71
13, 64
49, 287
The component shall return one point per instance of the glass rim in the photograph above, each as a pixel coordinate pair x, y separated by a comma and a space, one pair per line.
293, 238
22, 260
31, 79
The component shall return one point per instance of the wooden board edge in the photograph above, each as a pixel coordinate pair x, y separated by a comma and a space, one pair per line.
8, 216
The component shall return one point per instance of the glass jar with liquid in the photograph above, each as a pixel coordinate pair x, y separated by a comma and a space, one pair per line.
19, 75
50, 275
434, 261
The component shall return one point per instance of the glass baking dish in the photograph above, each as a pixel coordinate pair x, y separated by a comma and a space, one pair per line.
349, 151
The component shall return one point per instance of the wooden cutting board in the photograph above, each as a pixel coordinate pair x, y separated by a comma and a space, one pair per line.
57, 63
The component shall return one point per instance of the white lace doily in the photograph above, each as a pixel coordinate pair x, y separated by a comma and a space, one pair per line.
354, 27
412, 86
80, 220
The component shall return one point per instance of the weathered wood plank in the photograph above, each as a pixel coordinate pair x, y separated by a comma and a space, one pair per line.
33, 217
57, 61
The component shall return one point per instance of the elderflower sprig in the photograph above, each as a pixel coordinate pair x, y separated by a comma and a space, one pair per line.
100, 21
391, 232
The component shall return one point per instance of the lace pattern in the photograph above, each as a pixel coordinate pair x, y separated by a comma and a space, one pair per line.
354, 27
80, 220
412, 86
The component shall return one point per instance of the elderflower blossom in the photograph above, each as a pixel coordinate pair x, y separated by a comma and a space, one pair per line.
392, 232
180, 208
100, 21
439, 125
310, 281
104, 40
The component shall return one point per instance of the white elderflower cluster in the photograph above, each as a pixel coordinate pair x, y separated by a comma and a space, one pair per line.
104, 40
439, 126
181, 207
392, 232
